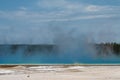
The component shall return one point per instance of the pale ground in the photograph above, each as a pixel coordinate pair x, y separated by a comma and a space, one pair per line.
61, 73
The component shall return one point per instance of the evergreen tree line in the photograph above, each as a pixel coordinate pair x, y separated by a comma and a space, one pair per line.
107, 48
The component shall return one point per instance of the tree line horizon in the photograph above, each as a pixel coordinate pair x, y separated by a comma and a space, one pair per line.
100, 48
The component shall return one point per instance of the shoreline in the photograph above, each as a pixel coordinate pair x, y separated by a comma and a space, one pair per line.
58, 72
59, 64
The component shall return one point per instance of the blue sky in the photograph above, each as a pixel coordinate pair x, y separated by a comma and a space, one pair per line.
42, 21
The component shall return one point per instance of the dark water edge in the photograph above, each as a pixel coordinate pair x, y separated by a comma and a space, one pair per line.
10, 65
53, 54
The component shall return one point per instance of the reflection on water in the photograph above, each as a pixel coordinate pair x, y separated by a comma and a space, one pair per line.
52, 54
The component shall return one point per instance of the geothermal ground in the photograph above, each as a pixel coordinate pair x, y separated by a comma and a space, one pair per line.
60, 72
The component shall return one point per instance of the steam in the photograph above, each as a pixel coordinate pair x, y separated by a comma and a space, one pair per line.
69, 46
58, 45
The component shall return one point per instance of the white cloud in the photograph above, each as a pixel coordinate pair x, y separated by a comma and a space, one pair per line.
76, 18
51, 3
23, 8
56, 11
67, 5
37, 17
61, 10
97, 8
60, 5
93, 8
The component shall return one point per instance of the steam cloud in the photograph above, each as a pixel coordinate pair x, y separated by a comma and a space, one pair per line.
71, 46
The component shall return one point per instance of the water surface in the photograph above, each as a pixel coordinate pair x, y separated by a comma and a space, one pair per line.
51, 54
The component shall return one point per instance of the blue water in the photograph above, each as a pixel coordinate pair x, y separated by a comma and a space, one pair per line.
7, 56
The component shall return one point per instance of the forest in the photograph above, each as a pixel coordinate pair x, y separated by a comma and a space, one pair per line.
101, 49
108, 48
